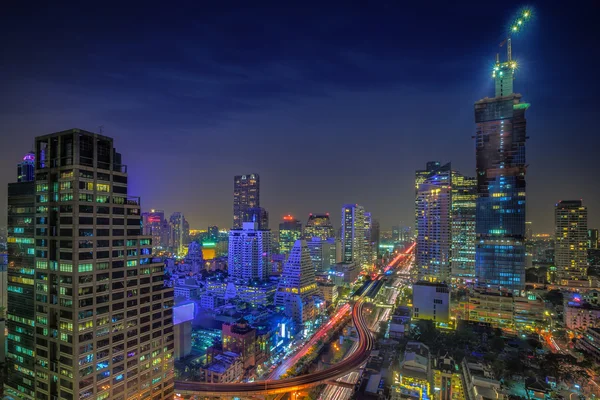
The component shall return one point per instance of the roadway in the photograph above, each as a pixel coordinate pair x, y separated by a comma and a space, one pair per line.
365, 345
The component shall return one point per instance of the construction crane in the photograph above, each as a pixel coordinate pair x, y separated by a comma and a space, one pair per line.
517, 25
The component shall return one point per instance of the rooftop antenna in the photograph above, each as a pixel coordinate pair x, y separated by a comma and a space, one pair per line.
101, 129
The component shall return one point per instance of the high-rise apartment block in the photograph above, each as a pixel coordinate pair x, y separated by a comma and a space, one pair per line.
249, 257
501, 166
353, 233
324, 253
420, 177
434, 239
571, 241
319, 225
246, 194
290, 230
297, 285
99, 322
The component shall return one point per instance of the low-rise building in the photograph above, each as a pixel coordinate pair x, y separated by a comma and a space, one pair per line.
447, 379
581, 316
412, 380
344, 273
224, 368
328, 291
431, 301
186, 291
479, 382
590, 343
493, 307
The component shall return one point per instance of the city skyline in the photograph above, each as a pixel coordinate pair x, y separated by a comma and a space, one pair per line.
289, 96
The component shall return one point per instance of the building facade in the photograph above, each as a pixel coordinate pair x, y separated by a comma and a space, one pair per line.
353, 235
155, 225
431, 301
257, 214
180, 233
323, 253
249, 256
246, 194
26, 168
103, 317
501, 166
434, 238
570, 241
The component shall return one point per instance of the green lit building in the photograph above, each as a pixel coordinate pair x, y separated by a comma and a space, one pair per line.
290, 230
20, 312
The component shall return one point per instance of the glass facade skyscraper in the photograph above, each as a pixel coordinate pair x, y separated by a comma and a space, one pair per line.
464, 198
353, 233
501, 166
319, 225
290, 230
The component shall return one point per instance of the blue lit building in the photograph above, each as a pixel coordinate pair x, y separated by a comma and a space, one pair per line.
26, 168
501, 166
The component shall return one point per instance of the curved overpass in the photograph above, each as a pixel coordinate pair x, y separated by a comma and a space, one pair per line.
366, 341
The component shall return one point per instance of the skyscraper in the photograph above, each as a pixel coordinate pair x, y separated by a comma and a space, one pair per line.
102, 312
26, 168
180, 233
290, 230
249, 257
571, 241
323, 253
353, 233
259, 215
20, 312
319, 225
297, 285
371, 240
155, 225
464, 198
246, 194
501, 166
434, 238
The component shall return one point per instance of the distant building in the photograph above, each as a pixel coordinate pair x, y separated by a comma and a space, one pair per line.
257, 214
297, 285
154, 224
571, 241
353, 235
328, 292
318, 226
434, 239
431, 301
323, 253
371, 244
246, 194
464, 199
290, 230
26, 168
180, 232
249, 256
581, 316
494, 307
420, 177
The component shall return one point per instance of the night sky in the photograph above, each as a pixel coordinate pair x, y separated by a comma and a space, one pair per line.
330, 104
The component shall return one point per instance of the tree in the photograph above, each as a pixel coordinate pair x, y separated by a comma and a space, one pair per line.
497, 344
555, 297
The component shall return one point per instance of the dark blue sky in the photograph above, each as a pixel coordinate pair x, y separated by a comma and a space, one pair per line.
330, 103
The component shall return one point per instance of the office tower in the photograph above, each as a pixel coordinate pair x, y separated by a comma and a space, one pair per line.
397, 231
20, 311
249, 257
102, 312
353, 235
369, 247
26, 168
246, 194
593, 239
297, 285
434, 227
420, 177
319, 225
154, 224
180, 232
501, 166
259, 215
290, 230
375, 236
323, 253
464, 199
571, 241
